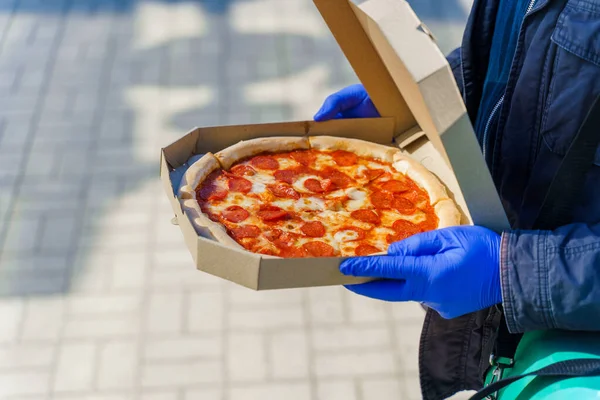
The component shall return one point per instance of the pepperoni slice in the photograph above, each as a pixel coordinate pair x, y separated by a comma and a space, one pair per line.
316, 186
303, 157
292, 252
286, 175
319, 249
372, 174
365, 249
285, 240
313, 229
242, 170
338, 178
284, 191
271, 213
395, 186
368, 216
273, 234
344, 158
403, 205
398, 236
264, 162
403, 230
327, 185
382, 200
245, 231
235, 214
415, 197
212, 192
313, 185
238, 184
403, 225
429, 224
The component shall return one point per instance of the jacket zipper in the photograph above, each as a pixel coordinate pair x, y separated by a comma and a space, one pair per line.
498, 105
488, 124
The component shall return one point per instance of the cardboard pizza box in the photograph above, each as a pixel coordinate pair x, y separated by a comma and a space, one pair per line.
412, 87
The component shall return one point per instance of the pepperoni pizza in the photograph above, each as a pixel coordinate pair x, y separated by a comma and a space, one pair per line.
313, 197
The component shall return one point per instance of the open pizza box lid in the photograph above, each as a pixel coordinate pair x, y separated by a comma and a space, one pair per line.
412, 87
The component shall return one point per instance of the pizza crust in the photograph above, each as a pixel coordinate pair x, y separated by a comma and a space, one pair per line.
195, 174
199, 220
203, 225
219, 232
361, 148
421, 176
447, 213
249, 148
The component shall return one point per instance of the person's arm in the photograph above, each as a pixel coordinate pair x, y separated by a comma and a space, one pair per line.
551, 279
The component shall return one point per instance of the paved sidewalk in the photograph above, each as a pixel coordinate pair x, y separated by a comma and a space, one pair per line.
98, 296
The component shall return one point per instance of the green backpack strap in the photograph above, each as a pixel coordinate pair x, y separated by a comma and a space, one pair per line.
562, 369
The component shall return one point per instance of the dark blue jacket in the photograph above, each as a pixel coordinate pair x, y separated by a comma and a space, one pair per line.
550, 279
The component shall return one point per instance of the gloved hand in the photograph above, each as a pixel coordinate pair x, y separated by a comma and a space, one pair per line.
454, 270
350, 102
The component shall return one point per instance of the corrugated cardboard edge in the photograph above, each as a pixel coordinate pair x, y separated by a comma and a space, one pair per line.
303, 272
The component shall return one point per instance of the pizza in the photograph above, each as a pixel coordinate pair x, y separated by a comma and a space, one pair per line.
316, 196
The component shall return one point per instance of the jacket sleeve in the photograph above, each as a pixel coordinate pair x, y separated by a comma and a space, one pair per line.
551, 279
454, 59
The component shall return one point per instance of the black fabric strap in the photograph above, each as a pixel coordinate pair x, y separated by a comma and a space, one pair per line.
564, 191
506, 343
563, 369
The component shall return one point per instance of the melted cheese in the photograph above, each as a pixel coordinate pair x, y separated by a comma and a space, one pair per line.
322, 160
261, 177
310, 203
358, 199
346, 236
376, 165
298, 184
258, 187
286, 162
286, 204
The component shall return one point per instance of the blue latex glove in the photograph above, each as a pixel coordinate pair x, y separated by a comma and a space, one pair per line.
454, 270
350, 102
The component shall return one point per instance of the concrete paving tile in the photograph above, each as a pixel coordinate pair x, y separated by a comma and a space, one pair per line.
173, 375
289, 391
246, 357
23, 383
289, 355
183, 348
381, 388
43, 318
345, 389
361, 363
75, 367
11, 315
118, 365
22, 355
